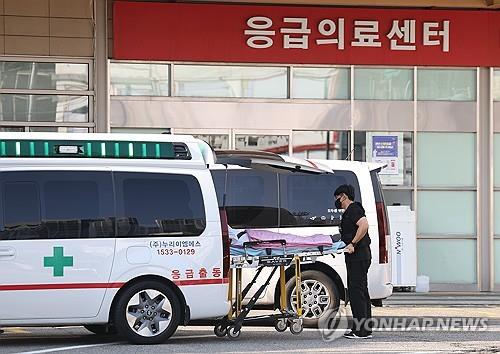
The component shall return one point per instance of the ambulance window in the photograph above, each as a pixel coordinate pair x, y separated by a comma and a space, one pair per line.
307, 200
21, 207
252, 199
57, 205
154, 204
77, 204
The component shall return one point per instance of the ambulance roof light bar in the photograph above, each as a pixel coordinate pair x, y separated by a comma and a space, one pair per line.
113, 149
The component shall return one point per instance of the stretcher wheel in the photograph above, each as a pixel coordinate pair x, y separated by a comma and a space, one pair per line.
296, 327
280, 325
232, 333
220, 331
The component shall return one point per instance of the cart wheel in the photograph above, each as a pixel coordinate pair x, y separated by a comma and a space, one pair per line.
280, 325
296, 327
220, 330
232, 333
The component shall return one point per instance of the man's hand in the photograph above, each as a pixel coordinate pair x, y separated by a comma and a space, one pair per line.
349, 248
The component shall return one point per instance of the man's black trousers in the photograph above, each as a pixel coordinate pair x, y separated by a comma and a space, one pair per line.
357, 287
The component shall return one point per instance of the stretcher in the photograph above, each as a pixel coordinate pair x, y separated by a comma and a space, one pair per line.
259, 255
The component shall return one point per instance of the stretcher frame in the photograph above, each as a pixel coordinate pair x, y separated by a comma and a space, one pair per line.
231, 324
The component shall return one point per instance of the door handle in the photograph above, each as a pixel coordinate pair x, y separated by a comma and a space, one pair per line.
7, 252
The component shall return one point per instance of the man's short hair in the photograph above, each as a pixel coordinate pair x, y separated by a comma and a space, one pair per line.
347, 189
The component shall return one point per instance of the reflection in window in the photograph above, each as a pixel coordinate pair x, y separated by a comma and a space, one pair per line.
307, 200
383, 84
44, 76
230, 81
251, 197
270, 143
330, 145
496, 85
139, 79
216, 141
391, 148
57, 205
44, 108
446, 84
159, 204
322, 83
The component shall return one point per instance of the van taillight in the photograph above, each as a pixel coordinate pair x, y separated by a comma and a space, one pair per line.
225, 243
383, 231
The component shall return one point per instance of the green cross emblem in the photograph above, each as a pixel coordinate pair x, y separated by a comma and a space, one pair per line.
58, 261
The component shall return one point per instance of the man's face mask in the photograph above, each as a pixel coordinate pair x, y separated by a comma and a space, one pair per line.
338, 203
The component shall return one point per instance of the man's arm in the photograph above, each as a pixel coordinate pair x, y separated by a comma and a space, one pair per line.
362, 230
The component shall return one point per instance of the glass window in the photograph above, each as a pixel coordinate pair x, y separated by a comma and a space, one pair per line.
446, 159
330, 145
139, 79
159, 205
60, 129
57, 205
446, 213
496, 197
496, 157
496, 85
307, 200
393, 149
216, 141
446, 84
322, 83
457, 260
21, 207
252, 197
44, 76
230, 81
270, 143
44, 108
497, 261
398, 197
383, 84
12, 129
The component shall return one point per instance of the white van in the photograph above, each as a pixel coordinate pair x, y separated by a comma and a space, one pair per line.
113, 234
302, 203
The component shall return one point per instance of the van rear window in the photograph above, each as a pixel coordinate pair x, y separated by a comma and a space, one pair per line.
261, 199
307, 200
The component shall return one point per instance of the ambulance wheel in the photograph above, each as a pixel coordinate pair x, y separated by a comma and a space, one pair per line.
319, 296
147, 313
232, 333
280, 325
103, 330
220, 331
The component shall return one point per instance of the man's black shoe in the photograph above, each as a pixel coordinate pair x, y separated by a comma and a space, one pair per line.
352, 335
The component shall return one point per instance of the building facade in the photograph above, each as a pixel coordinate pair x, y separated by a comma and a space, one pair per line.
415, 87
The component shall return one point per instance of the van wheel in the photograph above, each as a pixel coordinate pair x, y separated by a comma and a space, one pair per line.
319, 295
102, 330
147, 313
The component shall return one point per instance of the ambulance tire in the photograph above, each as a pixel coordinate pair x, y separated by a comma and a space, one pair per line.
326, 286
102, 330
120, 315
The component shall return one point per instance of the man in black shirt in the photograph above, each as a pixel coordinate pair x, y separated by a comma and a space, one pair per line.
354, 232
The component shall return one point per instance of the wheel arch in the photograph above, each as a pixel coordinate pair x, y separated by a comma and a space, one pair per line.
318, 266
185, 314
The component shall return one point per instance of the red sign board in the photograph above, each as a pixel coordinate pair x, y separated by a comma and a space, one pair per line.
305, 35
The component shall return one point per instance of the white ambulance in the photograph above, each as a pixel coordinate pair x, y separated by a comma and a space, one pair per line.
113, 234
